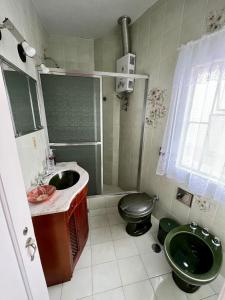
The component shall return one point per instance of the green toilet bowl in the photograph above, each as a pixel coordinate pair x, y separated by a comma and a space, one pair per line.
195, 256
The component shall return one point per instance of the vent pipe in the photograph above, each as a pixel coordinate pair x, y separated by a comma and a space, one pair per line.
124, 21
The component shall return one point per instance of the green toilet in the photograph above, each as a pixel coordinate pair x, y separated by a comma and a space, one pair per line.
195, 256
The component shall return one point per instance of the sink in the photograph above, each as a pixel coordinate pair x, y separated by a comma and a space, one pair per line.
191, 253
64, 179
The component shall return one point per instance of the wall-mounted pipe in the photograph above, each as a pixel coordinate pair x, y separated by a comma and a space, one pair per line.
124, 21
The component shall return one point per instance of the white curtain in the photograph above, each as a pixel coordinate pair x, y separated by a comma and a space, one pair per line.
193, 149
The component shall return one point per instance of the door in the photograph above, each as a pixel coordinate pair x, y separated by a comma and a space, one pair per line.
73, 110
21, 274
9, 265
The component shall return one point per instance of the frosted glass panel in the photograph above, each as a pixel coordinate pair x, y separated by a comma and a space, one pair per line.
89, 158
72, 108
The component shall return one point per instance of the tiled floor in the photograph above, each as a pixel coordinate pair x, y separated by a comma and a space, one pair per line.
115, 266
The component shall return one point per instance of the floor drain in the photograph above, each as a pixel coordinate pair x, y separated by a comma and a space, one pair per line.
156, 248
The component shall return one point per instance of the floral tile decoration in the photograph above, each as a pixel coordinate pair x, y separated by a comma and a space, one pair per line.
156, 108
216, 20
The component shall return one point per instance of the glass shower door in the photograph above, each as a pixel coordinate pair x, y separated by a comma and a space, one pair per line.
73, 112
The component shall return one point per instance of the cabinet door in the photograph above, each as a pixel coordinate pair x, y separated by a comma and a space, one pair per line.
81, 219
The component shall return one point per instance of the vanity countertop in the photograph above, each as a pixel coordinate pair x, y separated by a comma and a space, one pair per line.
61, 199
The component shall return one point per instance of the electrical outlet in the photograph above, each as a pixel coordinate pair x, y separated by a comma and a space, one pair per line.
202, 203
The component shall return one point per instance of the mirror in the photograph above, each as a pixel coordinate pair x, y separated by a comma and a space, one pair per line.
22, 92
34, 96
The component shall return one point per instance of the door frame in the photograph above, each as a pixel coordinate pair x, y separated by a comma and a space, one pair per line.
15, 205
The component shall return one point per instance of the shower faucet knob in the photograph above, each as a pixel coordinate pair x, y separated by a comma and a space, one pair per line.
216, 241
193, 225
205, 231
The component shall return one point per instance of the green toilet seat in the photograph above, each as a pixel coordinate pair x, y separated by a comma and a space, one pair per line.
193, 256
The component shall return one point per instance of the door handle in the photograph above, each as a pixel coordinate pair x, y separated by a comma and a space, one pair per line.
32, 247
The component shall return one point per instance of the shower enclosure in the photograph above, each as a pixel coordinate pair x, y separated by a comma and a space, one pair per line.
87, 123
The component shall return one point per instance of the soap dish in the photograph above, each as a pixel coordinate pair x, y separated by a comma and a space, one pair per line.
41, 194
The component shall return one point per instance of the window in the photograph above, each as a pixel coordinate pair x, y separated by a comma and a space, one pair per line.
202, 146
193, 148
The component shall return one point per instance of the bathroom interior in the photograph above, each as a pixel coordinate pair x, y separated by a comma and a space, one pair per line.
112, 156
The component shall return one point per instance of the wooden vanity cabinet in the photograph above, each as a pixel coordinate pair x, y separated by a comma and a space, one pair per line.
61, 238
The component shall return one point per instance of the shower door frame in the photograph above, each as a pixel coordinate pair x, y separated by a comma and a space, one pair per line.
62, 72
100, 75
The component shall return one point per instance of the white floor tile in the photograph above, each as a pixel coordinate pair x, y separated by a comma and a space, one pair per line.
132, 270
102, 253
204, 292
79, 286
214, 297
98, 221
112, 201
112, 210
88, 240
105, 277
165, 288
119, 232
86, 298
100, 235
116, 294
85, 259
217, 284
55, 292
141, 290
96, 202
125, 248
97, 212
155, 263
115, 218
144, 243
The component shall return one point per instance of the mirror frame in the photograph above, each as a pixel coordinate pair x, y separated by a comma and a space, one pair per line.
19, 134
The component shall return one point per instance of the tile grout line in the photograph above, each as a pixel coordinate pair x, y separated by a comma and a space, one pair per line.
92, 277
117, 263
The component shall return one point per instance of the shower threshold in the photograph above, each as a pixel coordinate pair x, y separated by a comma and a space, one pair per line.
115, 190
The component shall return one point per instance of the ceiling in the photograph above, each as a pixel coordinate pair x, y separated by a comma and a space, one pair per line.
87, 18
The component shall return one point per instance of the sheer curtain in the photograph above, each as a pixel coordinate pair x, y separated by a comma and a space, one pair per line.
193, 149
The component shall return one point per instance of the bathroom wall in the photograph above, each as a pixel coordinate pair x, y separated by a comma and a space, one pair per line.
107, 50
121, 129
130, 138
156, 36
32, 155
71, 52
24, 17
